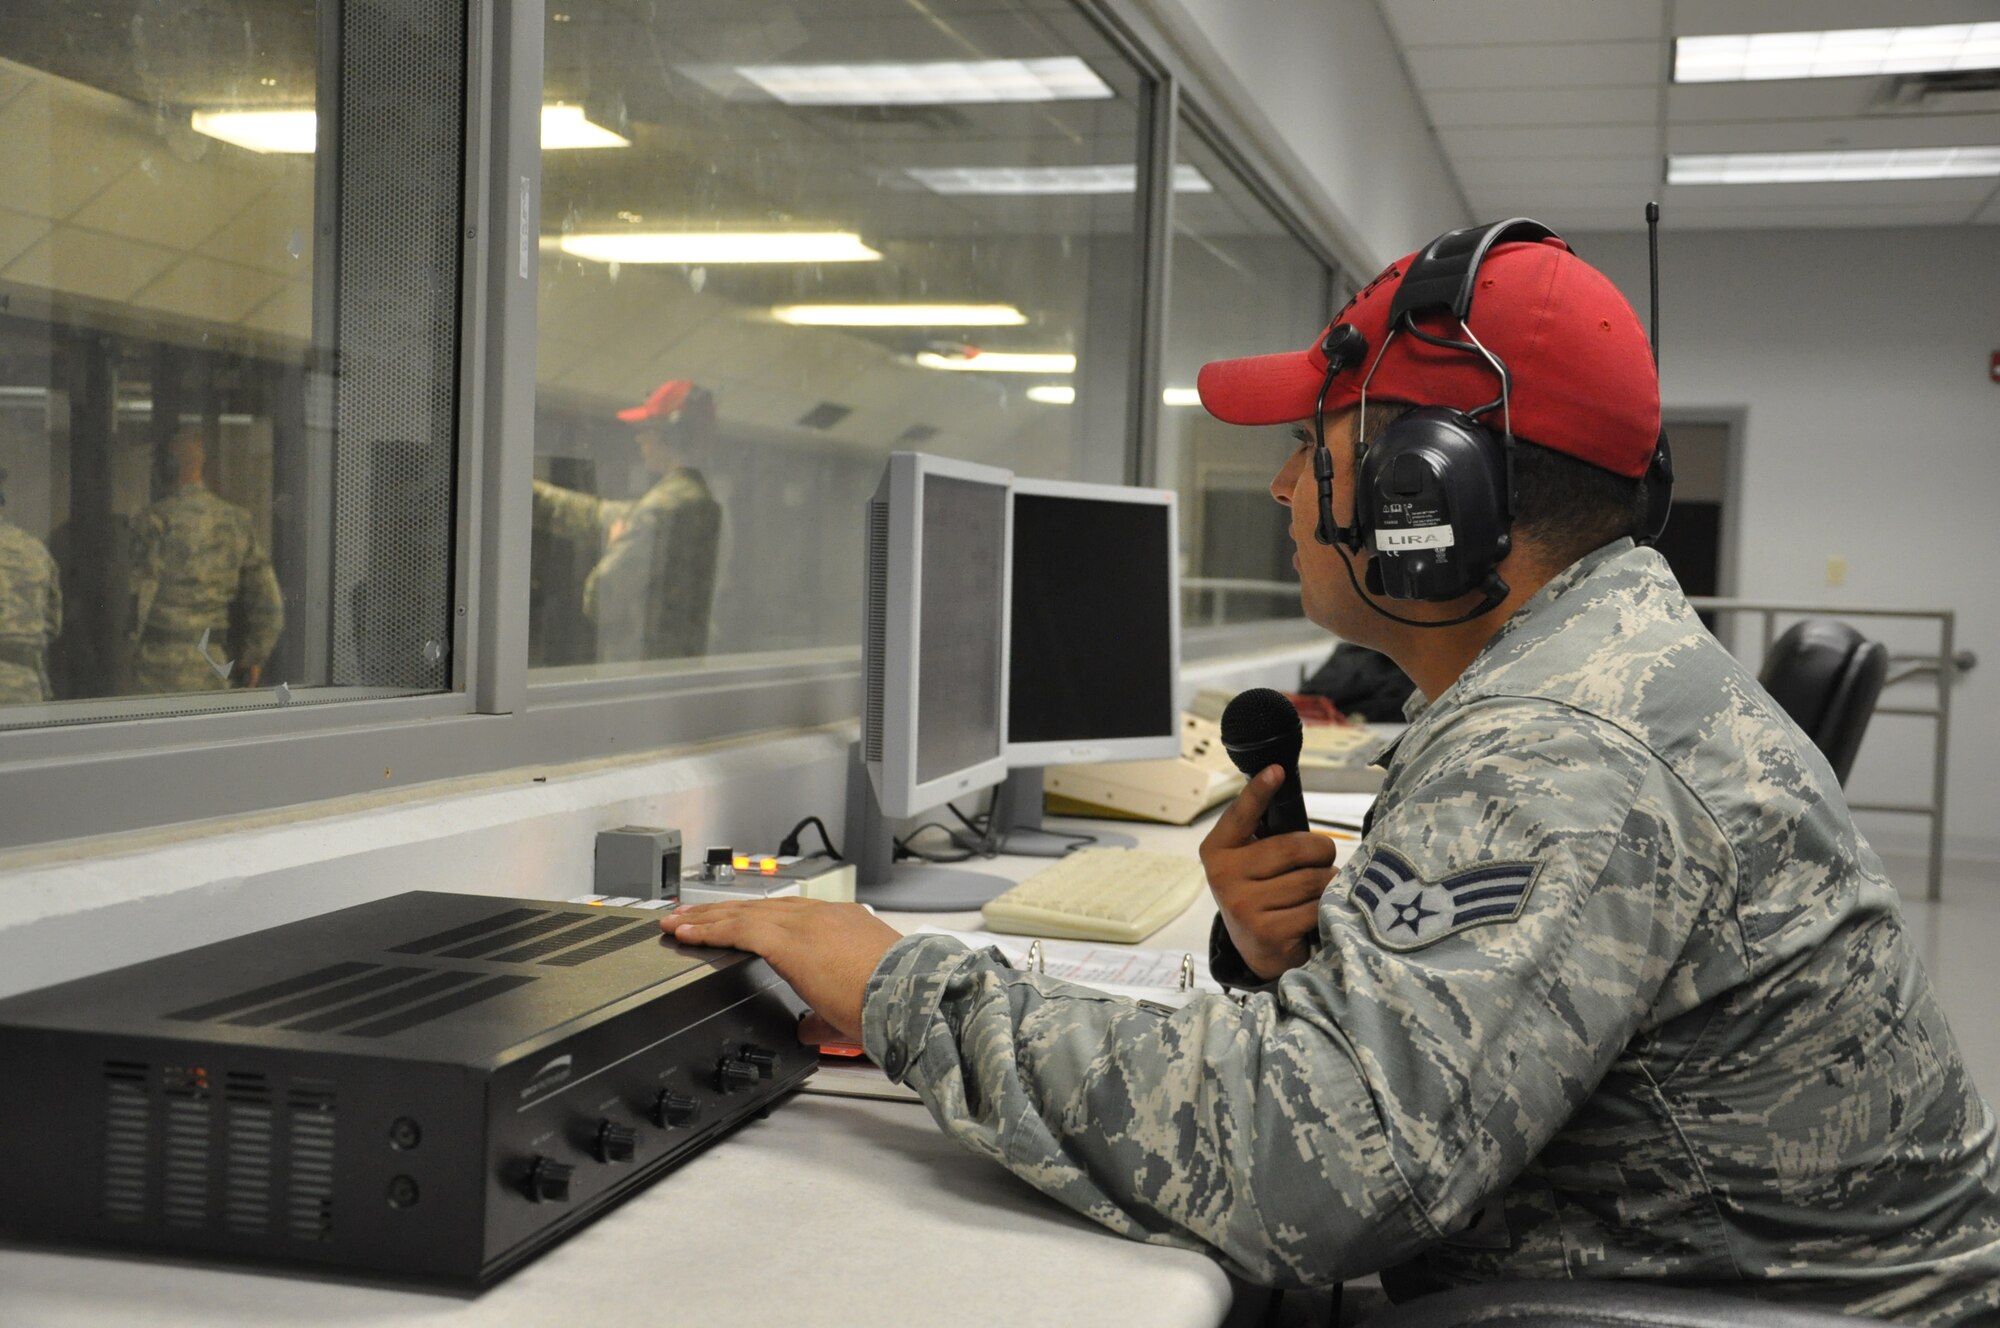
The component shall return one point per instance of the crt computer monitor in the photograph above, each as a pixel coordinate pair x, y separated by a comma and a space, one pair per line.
934, 668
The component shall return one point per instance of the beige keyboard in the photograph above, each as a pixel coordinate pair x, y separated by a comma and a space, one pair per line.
1100, 894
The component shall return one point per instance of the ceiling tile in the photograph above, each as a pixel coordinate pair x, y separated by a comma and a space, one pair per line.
1571, 220
288, 313
1502, 201
1815, 135
1814, 217
1579, 141
1639, 172
212, 292
1507, 107
170, 201
1990, 214
274, 233
84, 263
1780, 99
1459, 22
1550, 65
17, 232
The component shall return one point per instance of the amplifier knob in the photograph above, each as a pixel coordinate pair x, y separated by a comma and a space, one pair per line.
732, 1075
548, 1180
615, 1142
671, 1109
761, 1057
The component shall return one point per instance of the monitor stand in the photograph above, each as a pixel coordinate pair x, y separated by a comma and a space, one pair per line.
903, 887
1014, 824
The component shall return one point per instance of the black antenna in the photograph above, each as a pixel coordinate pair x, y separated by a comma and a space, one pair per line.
1653, 260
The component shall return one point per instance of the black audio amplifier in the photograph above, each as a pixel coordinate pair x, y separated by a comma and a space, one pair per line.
431, 1086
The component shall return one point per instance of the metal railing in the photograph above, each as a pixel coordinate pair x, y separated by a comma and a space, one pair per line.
1943, 668
1220, 588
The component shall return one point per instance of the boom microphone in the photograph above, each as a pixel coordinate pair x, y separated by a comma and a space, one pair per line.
1260, 728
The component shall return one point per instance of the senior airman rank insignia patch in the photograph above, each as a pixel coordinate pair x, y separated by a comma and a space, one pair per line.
1407, 912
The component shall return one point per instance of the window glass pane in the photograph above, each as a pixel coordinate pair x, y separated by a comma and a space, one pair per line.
779, 242
1240, 283
228, 357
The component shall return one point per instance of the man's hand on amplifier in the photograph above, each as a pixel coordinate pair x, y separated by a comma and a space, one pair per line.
827, 951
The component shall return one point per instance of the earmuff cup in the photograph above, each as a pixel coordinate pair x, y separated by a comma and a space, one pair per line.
1433, 488
1659, 493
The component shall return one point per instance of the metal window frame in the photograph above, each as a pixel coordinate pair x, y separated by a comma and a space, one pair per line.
118, 775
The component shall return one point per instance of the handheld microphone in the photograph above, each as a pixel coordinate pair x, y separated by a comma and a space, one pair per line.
1260, 728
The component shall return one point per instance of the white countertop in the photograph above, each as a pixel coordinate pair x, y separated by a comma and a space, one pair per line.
831, 1211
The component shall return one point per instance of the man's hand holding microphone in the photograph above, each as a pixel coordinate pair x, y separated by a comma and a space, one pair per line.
1265, 867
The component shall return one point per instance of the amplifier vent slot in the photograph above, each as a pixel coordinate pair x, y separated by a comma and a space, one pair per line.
583, 954
264, 995
325, 997
329, 1020
128, 1138
548, 945
184, 1192
437, 1009
246, 1174
439, 940
541, 926
309, 1145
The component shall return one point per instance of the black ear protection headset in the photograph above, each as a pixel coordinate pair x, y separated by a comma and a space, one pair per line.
1434, 492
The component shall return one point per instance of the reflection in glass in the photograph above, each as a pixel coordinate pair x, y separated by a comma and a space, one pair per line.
781, 241
227, 358
1239, 283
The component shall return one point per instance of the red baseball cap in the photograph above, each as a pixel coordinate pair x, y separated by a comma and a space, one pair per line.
1582, 369
666, 400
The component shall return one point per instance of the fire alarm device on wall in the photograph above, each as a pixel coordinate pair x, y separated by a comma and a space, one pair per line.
1993, 367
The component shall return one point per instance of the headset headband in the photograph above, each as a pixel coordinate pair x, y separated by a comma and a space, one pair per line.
1445, 274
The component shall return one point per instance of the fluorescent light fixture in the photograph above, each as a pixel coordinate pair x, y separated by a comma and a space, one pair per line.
996, 361
1048, 179
718, 247
564, 128
1180, 396
930, 82
297, 131
1051, 395
1845, 165
899, 315
1842, 53
260, 131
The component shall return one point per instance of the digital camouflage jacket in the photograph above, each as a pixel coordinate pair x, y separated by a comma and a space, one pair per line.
1612, 989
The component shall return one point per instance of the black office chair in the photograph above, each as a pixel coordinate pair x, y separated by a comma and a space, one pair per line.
1827, 676
1597, 1305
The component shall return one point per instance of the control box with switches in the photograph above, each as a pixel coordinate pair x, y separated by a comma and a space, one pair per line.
430, 1086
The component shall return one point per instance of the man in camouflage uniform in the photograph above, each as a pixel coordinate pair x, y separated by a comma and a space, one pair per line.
650, 594
30, 611
197, 572
1611, 989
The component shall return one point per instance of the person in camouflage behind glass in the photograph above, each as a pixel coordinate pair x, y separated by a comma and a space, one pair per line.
30, 611
197, 572
652, 589
1611, 989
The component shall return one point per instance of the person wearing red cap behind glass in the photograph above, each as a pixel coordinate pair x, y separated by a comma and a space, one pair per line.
1612, 989
651, 591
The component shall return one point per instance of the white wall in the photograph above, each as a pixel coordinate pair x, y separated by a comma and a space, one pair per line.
1325, 85
1873, 434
